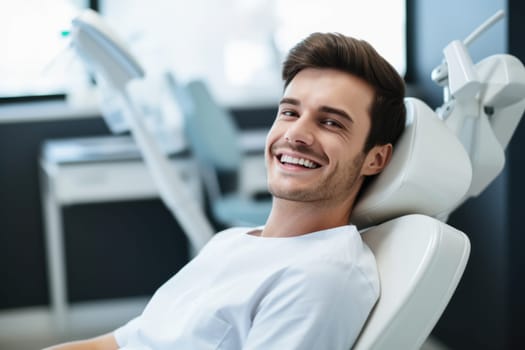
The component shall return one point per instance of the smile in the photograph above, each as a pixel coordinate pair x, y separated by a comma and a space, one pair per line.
286, 159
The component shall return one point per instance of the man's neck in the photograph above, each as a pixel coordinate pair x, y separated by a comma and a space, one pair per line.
290, 218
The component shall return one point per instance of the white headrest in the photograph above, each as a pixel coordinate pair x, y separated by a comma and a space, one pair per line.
429, 172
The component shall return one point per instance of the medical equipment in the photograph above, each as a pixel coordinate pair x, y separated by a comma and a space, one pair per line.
114, 68
483, 105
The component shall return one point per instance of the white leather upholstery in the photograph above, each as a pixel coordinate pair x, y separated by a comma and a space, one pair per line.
420, 262
420, 259
429, 172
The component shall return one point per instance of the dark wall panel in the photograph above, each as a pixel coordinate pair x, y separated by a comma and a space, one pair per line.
516, 166
22, 258
121, 248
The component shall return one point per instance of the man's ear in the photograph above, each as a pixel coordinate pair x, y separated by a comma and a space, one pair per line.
376, 159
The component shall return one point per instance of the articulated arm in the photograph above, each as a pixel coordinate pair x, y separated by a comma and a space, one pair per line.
114, 66
483, 105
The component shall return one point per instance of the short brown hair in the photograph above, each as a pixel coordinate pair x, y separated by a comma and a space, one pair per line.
359, 58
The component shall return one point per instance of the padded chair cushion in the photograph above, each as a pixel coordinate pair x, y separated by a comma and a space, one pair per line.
420, 262
428, 159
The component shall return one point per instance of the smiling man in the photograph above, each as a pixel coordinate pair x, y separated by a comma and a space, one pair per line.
315, 157
305, 280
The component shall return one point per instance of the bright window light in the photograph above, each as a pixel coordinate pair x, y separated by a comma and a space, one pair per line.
32, 34
264, 32
380, 22
244, 60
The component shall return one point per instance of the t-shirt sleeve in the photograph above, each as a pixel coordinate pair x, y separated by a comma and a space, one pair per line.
321, 306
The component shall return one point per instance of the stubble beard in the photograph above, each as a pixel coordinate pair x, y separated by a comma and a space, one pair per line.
336, 187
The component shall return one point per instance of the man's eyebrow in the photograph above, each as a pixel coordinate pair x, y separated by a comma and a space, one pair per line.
340, 112
289, 100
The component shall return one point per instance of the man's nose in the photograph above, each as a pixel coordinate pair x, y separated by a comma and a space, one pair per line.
300, 132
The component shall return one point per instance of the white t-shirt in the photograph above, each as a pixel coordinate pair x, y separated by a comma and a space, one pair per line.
313, 291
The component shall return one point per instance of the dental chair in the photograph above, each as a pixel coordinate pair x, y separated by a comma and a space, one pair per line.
420, 258
441, 160
214, 140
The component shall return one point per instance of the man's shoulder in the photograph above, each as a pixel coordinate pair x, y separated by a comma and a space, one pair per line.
347, 262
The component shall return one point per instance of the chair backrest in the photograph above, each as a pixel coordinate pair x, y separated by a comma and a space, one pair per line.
420, 259
210, 128
210, 131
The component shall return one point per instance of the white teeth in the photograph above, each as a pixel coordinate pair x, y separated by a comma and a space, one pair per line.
301, 161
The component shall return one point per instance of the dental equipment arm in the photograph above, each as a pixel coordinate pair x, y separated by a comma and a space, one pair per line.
483, 104
104, 55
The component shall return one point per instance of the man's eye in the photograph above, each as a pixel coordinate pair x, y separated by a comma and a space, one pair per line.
288, 113
330, 122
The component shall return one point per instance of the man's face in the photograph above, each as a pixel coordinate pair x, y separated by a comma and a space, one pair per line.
314, 151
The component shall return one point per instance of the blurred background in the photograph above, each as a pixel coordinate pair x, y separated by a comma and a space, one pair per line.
66, 180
